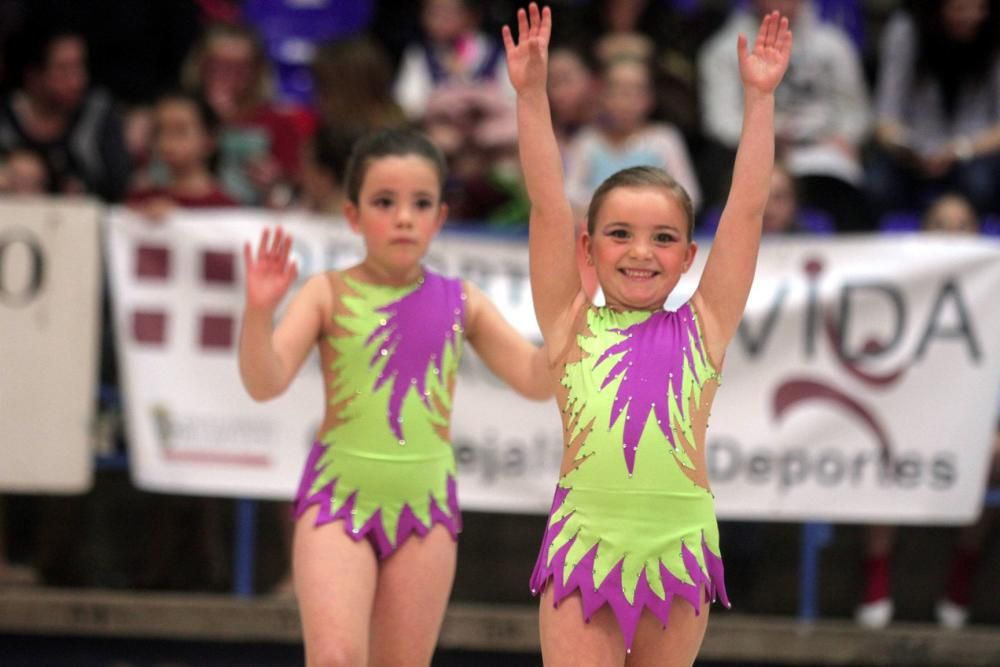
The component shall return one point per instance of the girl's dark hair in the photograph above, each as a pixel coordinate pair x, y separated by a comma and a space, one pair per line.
206, 114
390, 143
640, 177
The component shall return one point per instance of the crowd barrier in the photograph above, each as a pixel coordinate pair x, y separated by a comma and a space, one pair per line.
861, 386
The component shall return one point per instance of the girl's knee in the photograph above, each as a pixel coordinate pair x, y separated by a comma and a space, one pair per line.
336, 653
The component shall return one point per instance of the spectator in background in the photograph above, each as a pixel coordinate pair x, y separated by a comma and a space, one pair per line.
573, 87
259, 145
323, 168
454, 82
950, 213
52, 113
666, 35
938, 105
24, 173
184, 131
624, 136
352, 80
822, 111
781, 213
453, 54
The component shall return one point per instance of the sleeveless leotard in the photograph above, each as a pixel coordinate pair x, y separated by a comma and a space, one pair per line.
633, 520
384, 463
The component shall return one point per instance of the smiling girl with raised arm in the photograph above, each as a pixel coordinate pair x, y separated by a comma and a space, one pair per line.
632, 540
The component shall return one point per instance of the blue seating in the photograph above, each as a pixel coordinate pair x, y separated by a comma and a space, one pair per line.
292, 29
810, 221
899, 222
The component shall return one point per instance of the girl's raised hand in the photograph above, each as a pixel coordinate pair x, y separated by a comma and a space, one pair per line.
762, 68
528, 60
270, 274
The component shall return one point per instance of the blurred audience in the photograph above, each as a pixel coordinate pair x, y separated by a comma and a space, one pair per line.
184, 131
259, 144
352, 83
573, 85
822, 113
951, 213
781, 213
664, 34
323, 171
938, 106
625, 136
452, 54
53, 113
23, 172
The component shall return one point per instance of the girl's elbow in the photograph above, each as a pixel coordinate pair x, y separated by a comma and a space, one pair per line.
262, 393
538, 392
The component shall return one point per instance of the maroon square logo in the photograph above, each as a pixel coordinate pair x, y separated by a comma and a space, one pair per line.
218, 267
152, 262
216, 331
149, 327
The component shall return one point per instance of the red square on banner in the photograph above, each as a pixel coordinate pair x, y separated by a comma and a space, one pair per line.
216, 331
217, 267
152, 262
149, 326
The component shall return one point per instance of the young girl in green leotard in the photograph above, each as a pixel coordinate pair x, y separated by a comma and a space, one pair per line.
632, 540
377, 514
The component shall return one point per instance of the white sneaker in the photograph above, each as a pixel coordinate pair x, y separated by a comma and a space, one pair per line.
950, 615
874, 615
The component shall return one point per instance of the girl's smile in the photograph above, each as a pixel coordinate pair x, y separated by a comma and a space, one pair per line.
639, 247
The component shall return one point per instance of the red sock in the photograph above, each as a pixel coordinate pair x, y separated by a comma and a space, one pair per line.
963, 568
876, 579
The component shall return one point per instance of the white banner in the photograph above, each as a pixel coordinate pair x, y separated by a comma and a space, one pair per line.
49, 319
862, 386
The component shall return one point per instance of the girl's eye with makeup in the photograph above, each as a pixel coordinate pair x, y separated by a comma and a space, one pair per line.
618, 233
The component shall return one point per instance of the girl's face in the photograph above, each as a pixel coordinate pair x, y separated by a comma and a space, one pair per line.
627, 97
953, 215
181, 140
782, 205
228, 71
962, 18
63, 78
444, 21
399, 210
640, 247
570, 87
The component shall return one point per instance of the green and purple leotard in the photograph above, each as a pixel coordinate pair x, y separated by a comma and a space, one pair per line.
633, 521
384, 464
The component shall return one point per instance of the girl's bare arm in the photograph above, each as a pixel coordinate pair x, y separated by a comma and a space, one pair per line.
555, 282
522, 365
725, 283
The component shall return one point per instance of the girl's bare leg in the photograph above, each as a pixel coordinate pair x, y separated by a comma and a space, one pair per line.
335, 587
675, 646
414, 585
569, 641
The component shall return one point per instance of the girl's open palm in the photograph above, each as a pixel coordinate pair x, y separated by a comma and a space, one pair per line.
270, 274
762, 68
527, 61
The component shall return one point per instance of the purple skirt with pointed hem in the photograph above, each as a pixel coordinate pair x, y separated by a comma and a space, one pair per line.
595, 595
373, 530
